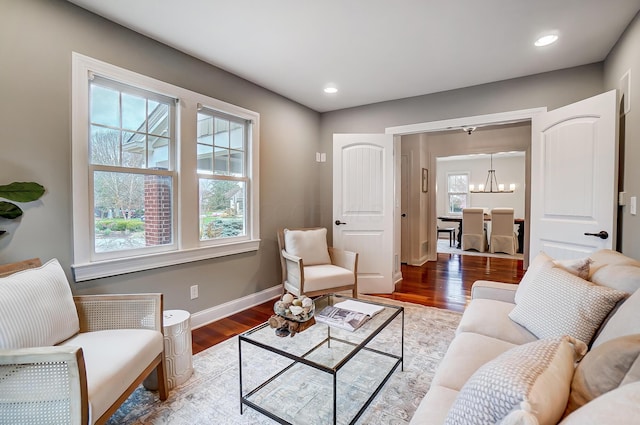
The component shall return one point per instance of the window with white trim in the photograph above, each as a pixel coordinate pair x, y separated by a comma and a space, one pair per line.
161, 175
457, 192
222, 176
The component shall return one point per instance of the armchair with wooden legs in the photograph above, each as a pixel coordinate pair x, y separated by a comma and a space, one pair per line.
312, 268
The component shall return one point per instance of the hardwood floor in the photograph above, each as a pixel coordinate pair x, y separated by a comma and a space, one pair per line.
445, 283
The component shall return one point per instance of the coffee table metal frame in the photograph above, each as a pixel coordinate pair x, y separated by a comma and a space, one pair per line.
371, 332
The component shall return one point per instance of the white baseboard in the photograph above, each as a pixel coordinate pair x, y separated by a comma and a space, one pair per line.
221, 311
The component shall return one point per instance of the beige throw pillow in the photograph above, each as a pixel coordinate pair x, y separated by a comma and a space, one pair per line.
36, 308
526, 384
558, 303
605, 368
310, 245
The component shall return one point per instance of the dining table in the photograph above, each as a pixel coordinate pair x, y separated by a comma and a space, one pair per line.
487, 217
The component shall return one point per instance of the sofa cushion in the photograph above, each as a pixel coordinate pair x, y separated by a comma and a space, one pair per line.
36, 308
310, 245
112, 358
620, 407
529, 382
465, 355
434, 407
605, 368
607, 257
625, 321
558, 303
624, 277
491, 318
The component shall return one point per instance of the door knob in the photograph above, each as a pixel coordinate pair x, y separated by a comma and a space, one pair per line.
601, 234
338, 222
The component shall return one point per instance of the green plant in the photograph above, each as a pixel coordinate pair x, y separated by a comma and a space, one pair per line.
18, 192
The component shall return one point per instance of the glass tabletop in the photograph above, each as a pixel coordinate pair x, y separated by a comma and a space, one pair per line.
329, 347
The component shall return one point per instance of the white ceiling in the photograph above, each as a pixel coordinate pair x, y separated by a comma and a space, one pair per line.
376, 50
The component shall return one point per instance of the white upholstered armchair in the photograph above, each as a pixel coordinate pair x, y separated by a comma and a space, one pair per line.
312, 268
72, 360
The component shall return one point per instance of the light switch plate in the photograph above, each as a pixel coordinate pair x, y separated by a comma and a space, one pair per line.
632, 205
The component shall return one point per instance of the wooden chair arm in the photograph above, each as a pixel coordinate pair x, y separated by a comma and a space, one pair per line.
62, 395
130, 311
294, 269
345, 259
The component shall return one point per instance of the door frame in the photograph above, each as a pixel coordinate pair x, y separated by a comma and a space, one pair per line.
444, 125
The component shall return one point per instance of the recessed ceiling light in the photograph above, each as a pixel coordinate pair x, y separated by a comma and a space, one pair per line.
545, 40
331, 89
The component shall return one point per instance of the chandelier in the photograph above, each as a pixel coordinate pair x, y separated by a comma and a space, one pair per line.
491, 184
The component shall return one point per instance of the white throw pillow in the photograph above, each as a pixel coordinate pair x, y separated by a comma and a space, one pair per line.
310, 245
528, 384
579, 267
558, 303
36, 308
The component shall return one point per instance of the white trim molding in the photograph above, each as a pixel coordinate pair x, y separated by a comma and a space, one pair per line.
204, 317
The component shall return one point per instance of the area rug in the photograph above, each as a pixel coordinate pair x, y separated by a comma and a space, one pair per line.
211, 395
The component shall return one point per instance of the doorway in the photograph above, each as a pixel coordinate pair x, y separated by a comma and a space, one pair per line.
486, 181
513, 143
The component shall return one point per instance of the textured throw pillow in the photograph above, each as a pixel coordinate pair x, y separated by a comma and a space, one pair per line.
310, 245
579, 267
541, 262
605, 368
526, 384
36, 308
558, 303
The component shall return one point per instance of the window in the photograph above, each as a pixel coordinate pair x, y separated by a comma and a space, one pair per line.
131, 169
457, 191
222, 176
161, 175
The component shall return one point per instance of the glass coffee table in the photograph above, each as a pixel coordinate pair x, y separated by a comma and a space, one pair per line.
323, 375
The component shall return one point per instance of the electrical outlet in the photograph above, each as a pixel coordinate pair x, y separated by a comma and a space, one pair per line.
194, 292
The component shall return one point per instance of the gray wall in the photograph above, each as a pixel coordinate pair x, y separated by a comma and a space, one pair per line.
36, 41
626, 56
552, 89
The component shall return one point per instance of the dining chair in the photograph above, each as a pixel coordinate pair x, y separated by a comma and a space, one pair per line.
503, 237
312, 268
474, 235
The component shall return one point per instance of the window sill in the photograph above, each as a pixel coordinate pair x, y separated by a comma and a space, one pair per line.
89, 271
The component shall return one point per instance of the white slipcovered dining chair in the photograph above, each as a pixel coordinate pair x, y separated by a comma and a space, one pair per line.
473, 232
312, 268
503, 237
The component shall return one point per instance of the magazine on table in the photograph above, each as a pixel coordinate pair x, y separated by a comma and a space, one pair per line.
348, 314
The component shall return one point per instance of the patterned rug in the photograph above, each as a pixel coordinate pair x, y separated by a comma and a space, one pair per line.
211, 395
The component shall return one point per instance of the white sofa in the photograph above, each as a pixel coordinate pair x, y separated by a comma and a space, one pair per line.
489, 346
73, 360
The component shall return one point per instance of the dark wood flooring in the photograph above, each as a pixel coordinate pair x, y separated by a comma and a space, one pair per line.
445, 283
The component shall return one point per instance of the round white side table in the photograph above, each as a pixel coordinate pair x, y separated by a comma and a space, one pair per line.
177, 350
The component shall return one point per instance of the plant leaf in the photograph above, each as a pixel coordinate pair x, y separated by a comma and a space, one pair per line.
9, 210
22, 191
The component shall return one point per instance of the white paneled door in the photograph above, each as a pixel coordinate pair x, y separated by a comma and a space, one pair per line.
573, 178
363, 206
